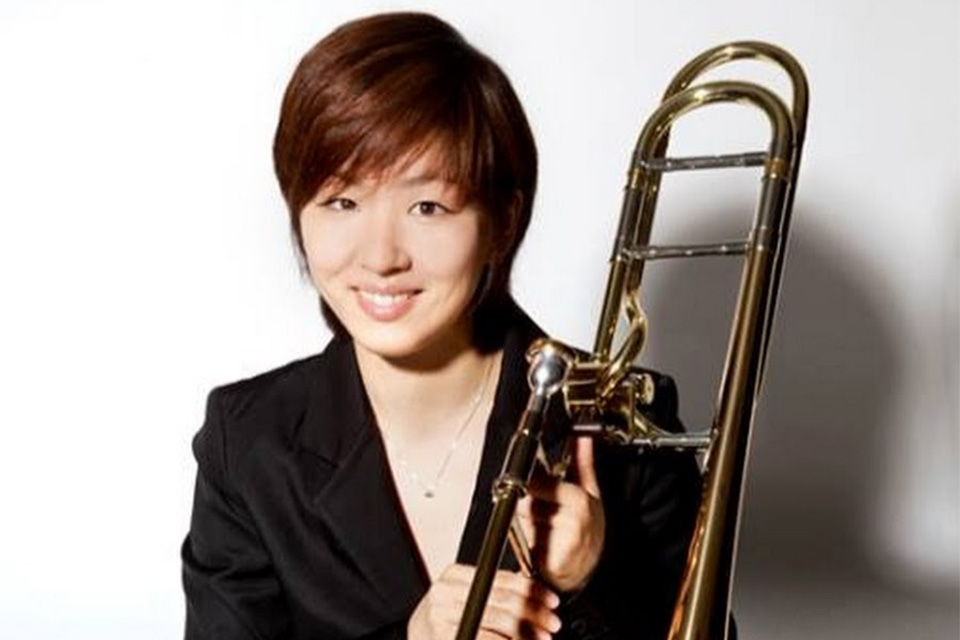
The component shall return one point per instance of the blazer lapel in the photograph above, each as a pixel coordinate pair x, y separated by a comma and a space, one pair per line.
358, 502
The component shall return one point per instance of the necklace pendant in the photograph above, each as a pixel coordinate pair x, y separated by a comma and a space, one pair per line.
429, 491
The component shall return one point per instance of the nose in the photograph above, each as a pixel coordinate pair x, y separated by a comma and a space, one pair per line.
381, 247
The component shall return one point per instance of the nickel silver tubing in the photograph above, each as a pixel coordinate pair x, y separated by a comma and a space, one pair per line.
659, 252
664, 165
660, 440
674, 441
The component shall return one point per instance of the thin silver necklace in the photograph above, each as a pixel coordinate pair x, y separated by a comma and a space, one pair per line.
429, 489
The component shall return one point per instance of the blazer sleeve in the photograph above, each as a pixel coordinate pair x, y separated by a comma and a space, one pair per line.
651, 500
232, 591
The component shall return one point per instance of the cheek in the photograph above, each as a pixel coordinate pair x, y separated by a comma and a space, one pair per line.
452, 254
328, 247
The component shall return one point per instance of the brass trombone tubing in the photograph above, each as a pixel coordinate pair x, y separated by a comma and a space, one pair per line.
702, 611
703, 604
626, 276
800, 101
549, 366
605, 384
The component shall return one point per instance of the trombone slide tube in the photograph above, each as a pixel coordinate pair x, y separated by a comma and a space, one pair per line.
703, 605
507, 491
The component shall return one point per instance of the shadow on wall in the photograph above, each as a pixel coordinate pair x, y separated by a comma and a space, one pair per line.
832, 373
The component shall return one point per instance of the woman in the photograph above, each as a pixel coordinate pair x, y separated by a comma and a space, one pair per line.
346, 495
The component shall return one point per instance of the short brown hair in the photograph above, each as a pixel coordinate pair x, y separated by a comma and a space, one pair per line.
381, 89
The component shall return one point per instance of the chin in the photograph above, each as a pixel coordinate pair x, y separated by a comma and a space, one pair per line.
411, 341
395, 348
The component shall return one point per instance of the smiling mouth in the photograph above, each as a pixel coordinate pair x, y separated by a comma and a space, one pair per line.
386, 306
384, 299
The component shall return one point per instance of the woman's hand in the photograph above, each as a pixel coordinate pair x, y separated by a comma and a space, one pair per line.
564, 522
518, 607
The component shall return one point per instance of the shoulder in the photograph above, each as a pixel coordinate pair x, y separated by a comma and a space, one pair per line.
251, 416
272, 391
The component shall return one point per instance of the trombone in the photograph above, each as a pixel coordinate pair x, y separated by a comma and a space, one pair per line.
603, 392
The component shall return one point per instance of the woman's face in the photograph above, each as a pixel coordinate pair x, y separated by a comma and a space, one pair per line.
398, 259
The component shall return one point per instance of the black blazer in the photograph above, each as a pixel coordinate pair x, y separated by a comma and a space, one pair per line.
297, 531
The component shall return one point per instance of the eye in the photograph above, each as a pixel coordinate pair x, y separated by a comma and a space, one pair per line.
339, 204
429, 208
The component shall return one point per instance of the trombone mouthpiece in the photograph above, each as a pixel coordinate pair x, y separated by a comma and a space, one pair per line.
549, 363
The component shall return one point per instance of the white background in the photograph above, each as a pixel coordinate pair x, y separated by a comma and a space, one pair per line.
144, 258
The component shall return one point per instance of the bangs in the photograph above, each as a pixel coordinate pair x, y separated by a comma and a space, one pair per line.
397, 133
378, 158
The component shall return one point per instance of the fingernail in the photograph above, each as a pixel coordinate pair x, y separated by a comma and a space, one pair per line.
555, 624
554, 600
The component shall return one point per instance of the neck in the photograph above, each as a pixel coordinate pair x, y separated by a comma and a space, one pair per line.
415, 402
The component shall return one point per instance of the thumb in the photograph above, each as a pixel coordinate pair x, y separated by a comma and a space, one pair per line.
586, 473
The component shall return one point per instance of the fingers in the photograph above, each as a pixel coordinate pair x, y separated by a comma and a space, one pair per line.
518, 607
521, 608
564, 522
545, 487
586, 471
511, 584
553, 499
459, 575
526, 519
561, 510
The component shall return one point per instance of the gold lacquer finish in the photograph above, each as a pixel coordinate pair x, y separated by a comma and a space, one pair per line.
605, 395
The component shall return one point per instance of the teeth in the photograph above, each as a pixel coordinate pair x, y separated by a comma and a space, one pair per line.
384, 299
